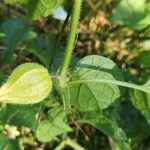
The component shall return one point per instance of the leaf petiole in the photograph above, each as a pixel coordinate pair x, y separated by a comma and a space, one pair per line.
120, 83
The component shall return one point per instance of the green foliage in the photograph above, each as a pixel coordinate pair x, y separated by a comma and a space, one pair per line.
19, 116
127, 117
54, 126
89, 93
8, 144
16, 1
135, 15
42, 8
38, 8
45, 49
29, 83
141, 102
42, 47
143, 59
14, 31
93, 95
107, 126
95, 84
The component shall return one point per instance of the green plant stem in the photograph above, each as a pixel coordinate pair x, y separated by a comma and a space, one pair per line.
71, 38
70, 143
75, 15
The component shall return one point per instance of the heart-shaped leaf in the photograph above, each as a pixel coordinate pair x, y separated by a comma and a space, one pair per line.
95, 95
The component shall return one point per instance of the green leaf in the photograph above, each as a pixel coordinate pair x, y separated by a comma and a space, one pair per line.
29, 83
133, 122
42, 8
49, 129
143, 59
19, 115
142, 102
96, 84
15, 31
8, 144
16, 1
38, 8
43, 48
108, 127
94, 95
134, 15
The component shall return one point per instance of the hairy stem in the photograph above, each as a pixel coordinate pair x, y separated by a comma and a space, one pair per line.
68, 53
71, 38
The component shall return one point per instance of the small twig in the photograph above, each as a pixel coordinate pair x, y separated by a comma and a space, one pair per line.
78, 127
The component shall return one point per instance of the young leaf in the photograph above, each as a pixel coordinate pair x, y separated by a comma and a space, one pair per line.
107, 126
49, 129
141, 101
95, 95
29, 83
